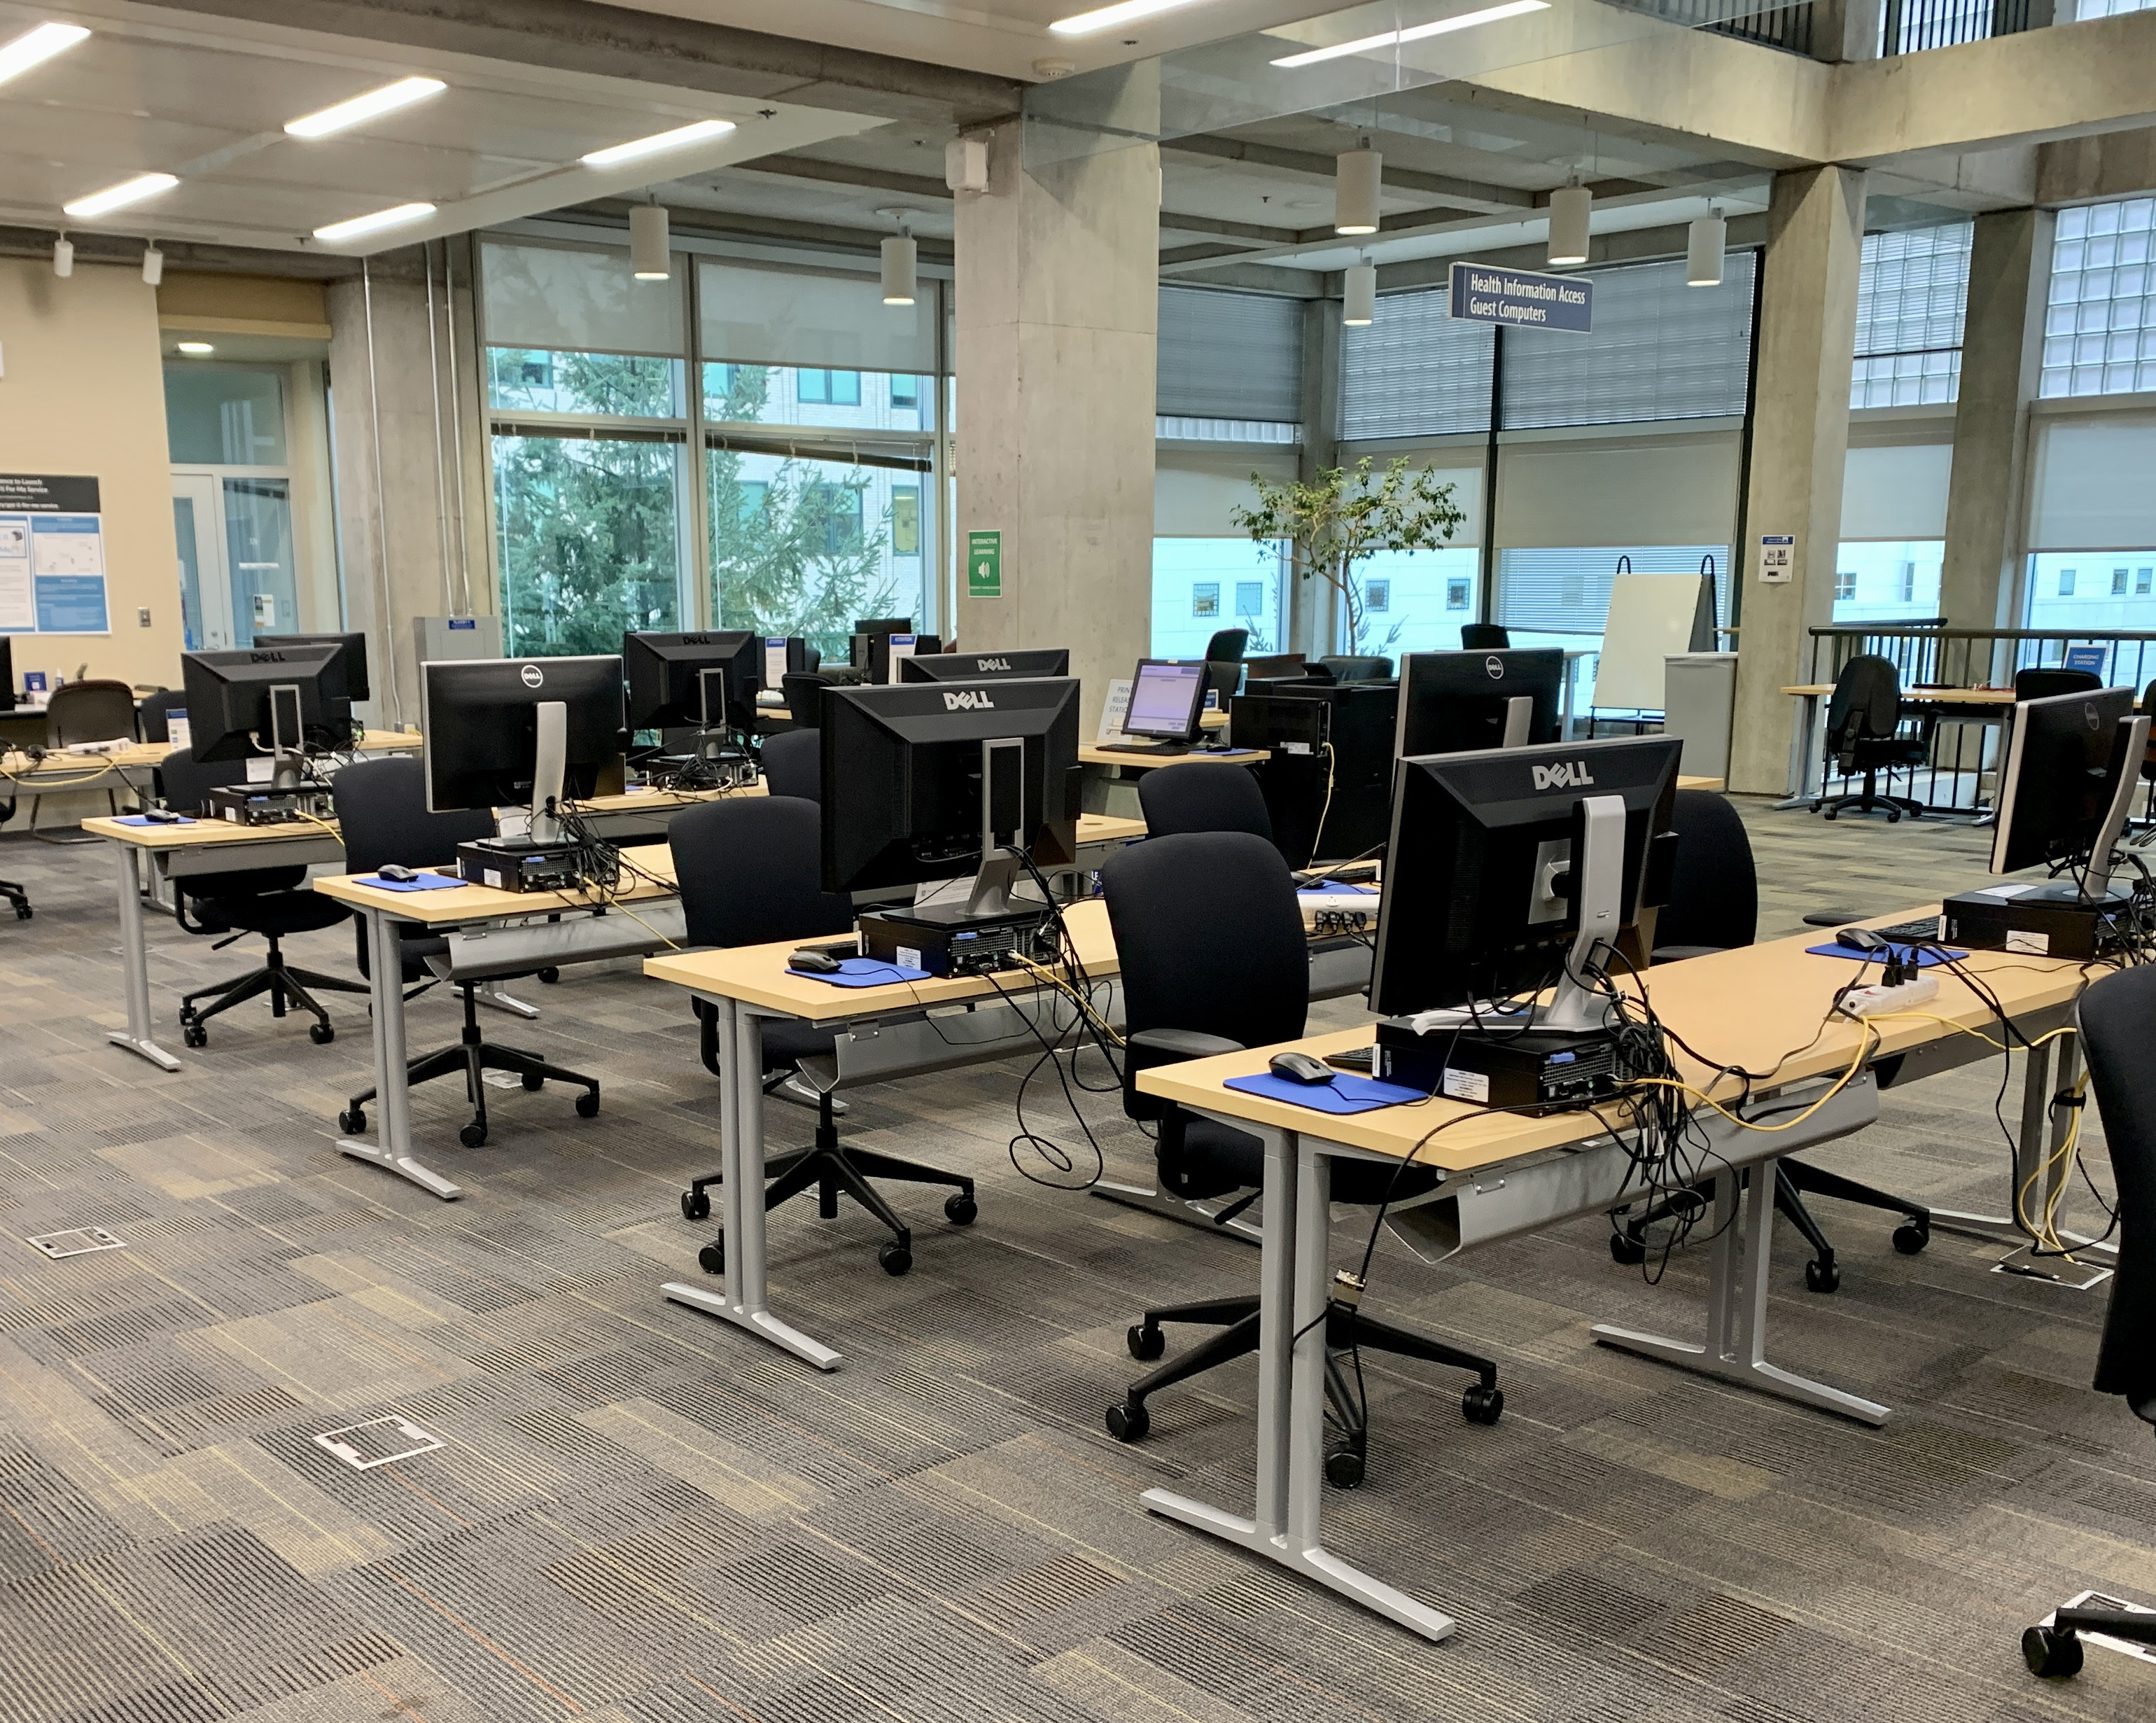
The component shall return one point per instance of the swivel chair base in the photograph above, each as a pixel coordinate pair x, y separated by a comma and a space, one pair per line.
1793, 1181
831, 1169
475, 1056
1346, 1459
2054, 1651
281, 981
1870, 798
19, 896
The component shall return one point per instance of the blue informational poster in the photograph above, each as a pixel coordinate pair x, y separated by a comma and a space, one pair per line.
51, 555
72, 603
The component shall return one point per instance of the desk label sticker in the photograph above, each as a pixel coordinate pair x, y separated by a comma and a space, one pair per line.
2034, 944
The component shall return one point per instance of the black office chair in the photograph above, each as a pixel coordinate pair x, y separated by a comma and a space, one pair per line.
2117, 1018
1484, 637
750, 873
273, 902
1357, 670
1214, 959
2042, 684
1227, 646
10, 890
1714, 906
1204, 799
2147, 770
802, 689
381, 809
794, 764
152, 723
1864, 734
94, 711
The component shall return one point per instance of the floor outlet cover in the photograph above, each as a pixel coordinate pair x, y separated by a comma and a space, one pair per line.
378, 1442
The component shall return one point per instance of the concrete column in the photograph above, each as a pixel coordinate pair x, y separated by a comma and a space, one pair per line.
410, 542
1058, 310
1313, 607
2009, 270
1800, 440
1844, 30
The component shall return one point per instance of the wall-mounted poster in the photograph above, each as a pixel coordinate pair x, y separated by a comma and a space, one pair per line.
51, 555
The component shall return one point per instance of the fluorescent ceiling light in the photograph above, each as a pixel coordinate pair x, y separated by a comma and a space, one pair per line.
34, 48
197, 347
615, 154
128, 191
1416, 32
338, 231
385, 100
1106, 18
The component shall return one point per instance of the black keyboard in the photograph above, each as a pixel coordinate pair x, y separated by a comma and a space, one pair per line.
1903, 932
1145, 747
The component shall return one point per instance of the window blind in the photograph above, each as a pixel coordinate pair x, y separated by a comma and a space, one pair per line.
1566, 591
1898, 492
551, 300
1231, 356
1660, 490
1195, 491
1658, 350
2092, 489
1413, 372
766, 316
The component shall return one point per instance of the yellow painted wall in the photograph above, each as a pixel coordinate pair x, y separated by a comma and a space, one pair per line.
83, 392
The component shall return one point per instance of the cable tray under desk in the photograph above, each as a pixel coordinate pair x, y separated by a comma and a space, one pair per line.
580, 937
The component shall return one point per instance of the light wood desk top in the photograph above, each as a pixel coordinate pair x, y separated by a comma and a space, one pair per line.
1713, 784
757, 974
1091, 754
1924, 696
1748, 1006
462, 903
202, 833
15, 764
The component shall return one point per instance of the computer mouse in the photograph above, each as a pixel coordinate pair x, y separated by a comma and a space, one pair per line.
395, 871
1300, 1068
816, 962
161, 816
1860, 939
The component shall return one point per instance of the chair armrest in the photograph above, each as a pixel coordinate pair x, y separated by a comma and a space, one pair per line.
1149, 1047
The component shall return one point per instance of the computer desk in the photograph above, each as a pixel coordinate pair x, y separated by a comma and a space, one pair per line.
1808, 747
1507, 1174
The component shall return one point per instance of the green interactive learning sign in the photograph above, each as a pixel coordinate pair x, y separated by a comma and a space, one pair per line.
984, 565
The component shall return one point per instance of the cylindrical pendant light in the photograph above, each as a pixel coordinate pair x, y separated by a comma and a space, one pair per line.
650, 258
1569, 208
900, 256
153, 265
63, 256
1359, 301
1705, 241
1358, 176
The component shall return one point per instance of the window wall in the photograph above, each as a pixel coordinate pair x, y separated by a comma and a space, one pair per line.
231, 502
1912, 297
737, 447
2099, 323
2092, 522
1208, 573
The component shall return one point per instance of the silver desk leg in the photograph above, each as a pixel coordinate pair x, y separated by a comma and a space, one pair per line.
1737, 1310
1290, 1481
744, 1300
391, 1148
1806, 747
490, 993
134, 964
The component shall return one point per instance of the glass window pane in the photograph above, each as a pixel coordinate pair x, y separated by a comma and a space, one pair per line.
803, 546
258, 538
224, 415
1427, 595
787, 394
2065, 592
533, 380
589, 541
2090, 241
183, 531
1185, 570
1880, 580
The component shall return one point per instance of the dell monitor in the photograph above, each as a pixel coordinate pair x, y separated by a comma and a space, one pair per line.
704, 681
985, 666
924, 783
1512, 868
2072, 765
283, 701
502, 732
355, 655
1458, 702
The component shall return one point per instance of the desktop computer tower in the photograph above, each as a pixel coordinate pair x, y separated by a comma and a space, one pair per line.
1295, 724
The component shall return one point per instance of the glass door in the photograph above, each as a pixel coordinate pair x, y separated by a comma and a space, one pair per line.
237, 574
205, 593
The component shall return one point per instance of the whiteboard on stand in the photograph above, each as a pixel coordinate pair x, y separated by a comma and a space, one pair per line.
1650, 617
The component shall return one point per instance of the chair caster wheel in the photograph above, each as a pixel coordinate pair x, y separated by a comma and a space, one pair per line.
1479, 1405
1829, 816
352, 1120
1146, 1343
1626, 1249
1822, 1277
2051, 1653
696, 1206
321, 1034
712, 1258
1910, 1237
587, 1104
1128, 1421
961, 1211
189, 1013
195, 1036
23, 913
533, 1082
895, 1258
472, 1135
1344, 1468
550, 976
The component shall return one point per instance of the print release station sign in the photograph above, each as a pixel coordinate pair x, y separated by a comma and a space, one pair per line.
1522, 299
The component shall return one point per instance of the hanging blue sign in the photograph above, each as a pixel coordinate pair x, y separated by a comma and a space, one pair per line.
1522, 299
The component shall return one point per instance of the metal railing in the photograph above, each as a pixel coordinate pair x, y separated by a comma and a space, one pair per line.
1787, 28
1910, 26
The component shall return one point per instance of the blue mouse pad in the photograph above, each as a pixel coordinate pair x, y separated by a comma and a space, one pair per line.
1345, 1093
1924, 957
144, 819
863, 972
424, 882
1326, 885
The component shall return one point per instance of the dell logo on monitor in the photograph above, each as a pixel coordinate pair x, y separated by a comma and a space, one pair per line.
968, 700
986, 665
265, 657
533, 676
1574, 776
1496, 666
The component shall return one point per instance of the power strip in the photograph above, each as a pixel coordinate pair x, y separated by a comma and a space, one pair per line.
1872, 1001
